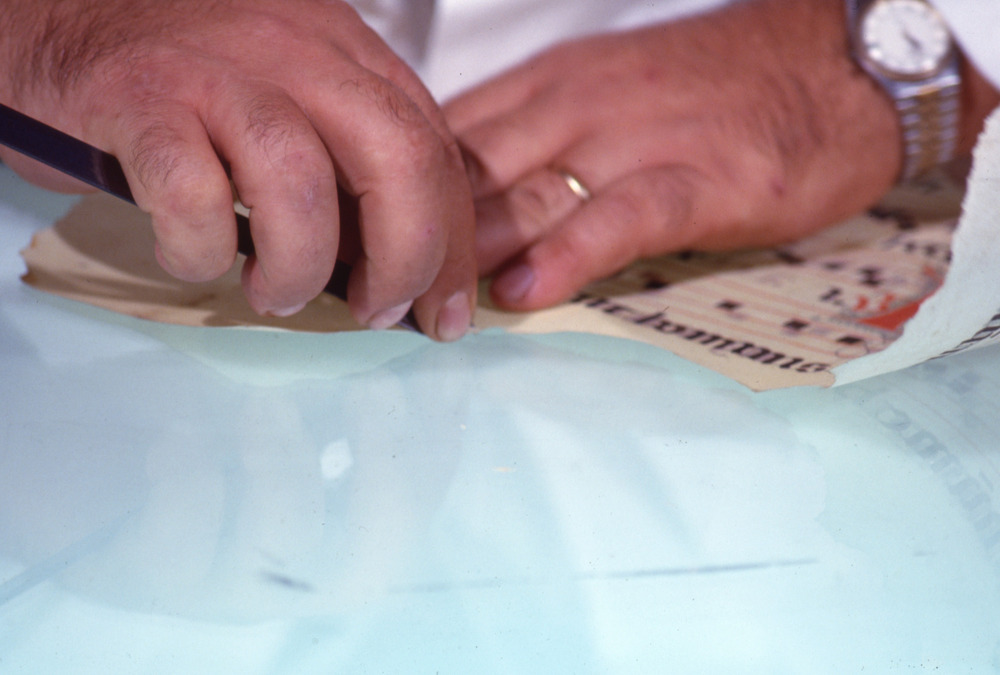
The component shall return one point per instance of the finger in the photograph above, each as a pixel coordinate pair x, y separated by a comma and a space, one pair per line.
510, 221
496, 97
646, 213
448, 305
503, 149
284, 175
412, 195
176, 176
373, 55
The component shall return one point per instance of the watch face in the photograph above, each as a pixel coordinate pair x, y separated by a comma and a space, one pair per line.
906, 38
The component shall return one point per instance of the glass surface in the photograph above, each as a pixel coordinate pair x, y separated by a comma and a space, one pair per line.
906, 37
183, 500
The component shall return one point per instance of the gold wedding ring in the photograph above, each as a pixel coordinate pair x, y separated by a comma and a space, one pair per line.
575, 185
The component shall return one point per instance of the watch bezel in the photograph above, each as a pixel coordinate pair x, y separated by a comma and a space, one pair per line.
880, 67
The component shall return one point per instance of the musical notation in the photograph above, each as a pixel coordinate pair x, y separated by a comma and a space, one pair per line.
794, 313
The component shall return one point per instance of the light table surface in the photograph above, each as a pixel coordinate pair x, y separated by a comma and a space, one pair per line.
187, 500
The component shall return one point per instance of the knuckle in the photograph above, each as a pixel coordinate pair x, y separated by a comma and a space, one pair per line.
656, 206
296, 266
186, 205
400, 140
290, 278
539, 201
192, 193
284, 137
299, 164
388, 99
628, 205
190, 258
155, 156
313, 194
418, 156
269, 124
669, 197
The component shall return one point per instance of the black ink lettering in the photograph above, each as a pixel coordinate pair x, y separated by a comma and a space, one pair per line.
642, 321
871, 276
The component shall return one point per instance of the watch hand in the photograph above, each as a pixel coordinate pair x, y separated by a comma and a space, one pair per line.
912, 41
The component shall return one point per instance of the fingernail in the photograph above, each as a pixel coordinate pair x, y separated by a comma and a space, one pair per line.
286, 311
454, 317
388, 318
514, 284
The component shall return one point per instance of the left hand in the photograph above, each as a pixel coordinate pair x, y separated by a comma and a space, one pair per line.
747, 126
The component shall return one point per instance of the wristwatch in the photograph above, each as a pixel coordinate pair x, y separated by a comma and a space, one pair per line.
907, 47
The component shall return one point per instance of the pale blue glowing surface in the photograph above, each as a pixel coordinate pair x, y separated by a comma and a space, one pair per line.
185, 500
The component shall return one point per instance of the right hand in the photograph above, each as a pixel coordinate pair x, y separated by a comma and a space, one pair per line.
286, 97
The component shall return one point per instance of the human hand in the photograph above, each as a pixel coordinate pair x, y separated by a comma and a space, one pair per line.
747, 126
286, 97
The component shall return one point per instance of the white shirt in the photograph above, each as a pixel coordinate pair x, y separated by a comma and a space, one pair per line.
455, 44
976, 26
